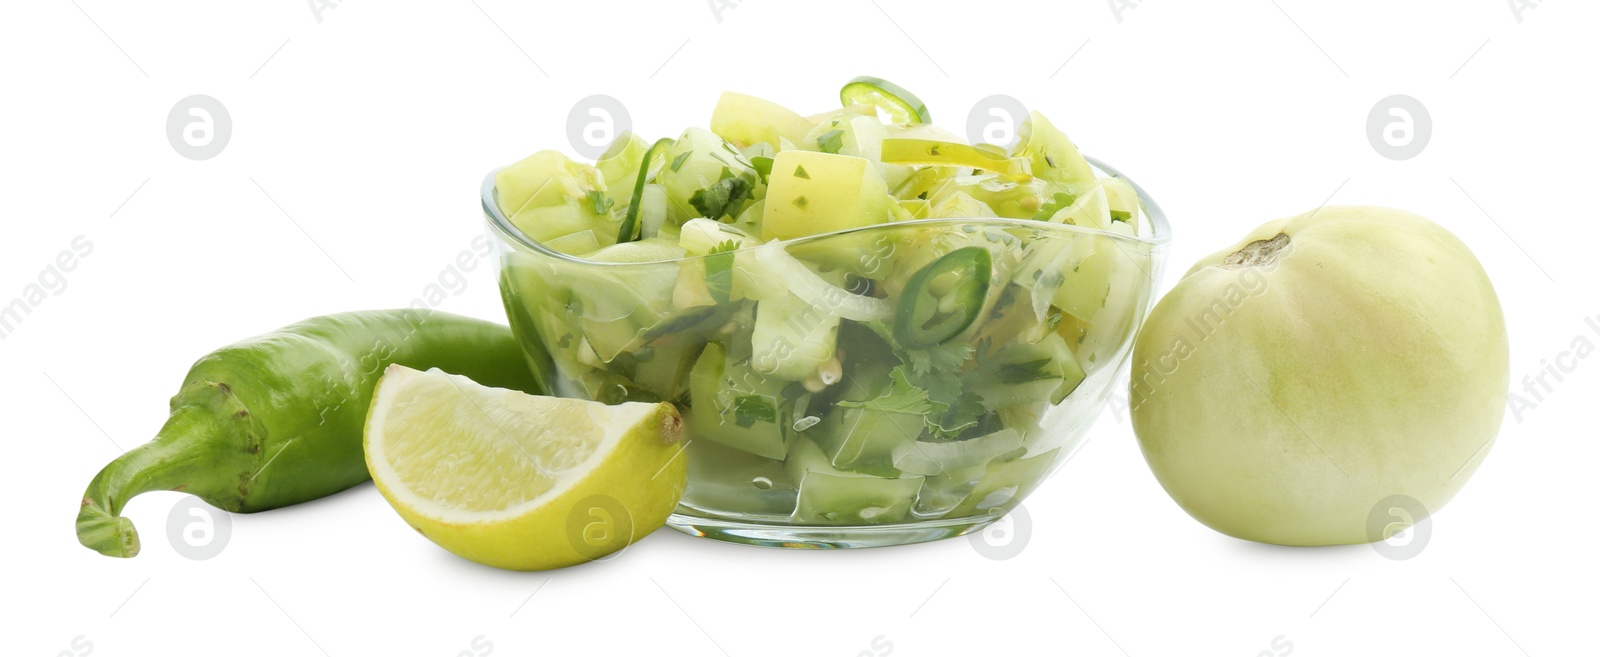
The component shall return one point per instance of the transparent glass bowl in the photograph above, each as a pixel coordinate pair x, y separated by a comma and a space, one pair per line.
791, 443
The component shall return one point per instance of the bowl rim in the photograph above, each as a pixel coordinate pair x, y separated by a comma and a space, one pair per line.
1161, 232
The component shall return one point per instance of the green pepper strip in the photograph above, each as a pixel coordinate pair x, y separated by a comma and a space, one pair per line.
949, 153
933, 309
278, 419
630, 223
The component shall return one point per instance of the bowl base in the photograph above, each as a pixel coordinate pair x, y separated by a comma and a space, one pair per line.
825, 537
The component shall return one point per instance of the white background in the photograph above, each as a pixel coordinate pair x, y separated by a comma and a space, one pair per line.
373, 126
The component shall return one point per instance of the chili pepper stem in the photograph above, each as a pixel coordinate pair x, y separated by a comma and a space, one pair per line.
166, 463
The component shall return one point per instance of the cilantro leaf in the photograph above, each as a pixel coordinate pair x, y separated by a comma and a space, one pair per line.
1057, 202
961, 414
721, 197
677, 162
763, 167
928, 382
900, 397
944, 359
599, 202
751, 409
831, 141
719, 271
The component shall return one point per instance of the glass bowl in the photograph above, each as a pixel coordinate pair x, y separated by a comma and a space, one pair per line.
861, 388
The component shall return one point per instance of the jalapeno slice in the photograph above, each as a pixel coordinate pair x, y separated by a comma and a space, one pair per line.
943, 299
653, 160
902, 106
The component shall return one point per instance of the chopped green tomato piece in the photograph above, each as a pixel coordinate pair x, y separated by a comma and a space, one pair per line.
1072, 275
661, 370
926, 458
546, 195
793, 339
1004, 196
901, 106
1091, 210
624, 302
749, 221
952, 154
649, 166
959, 204
544, 224
690, 289
1052, 155
747, 120
619, 166
1005, 483
649, 250
575, 244
1021, 373
544, 179
833, 496
853, 499
927, 183
1097, 340
864, 440
1083, 289
916, 208
857, 437
861, 136
736, 481
702, 236
735, 406
840, 192
943, 299
1122, 199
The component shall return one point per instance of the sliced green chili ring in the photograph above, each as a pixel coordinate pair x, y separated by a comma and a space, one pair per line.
943, 299
647, 170
902, 106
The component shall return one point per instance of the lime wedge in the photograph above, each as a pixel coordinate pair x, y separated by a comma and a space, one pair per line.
903, 107
519, 481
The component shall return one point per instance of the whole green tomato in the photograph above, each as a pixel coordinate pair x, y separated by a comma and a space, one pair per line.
1326, 363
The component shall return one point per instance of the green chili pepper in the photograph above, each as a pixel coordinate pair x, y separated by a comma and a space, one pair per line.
648, 167
942, 299
277, 419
